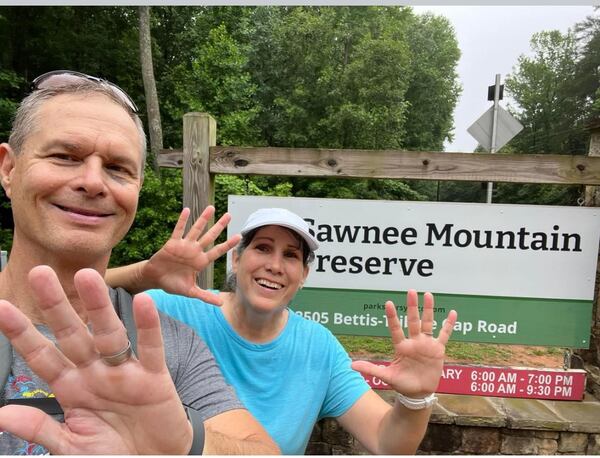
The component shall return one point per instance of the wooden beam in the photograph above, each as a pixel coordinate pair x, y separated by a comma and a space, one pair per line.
424, 165
171, 158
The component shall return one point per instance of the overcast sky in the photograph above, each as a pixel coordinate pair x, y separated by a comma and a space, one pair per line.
491, 38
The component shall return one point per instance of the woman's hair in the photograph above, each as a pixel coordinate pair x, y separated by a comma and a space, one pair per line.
308, 255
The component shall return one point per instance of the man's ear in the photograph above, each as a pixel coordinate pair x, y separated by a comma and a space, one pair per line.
7, 166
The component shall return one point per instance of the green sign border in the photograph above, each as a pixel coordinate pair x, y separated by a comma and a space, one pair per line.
507, 320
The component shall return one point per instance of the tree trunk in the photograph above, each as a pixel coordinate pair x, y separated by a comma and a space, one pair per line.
152, 107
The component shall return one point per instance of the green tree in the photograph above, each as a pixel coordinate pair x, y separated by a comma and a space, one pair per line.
546, 106
555, 98
345, 77
586, 84
434, 89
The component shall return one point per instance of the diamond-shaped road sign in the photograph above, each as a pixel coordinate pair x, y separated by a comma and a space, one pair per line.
507, 127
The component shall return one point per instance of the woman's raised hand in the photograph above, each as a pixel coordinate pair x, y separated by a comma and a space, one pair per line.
174, 267
419, 358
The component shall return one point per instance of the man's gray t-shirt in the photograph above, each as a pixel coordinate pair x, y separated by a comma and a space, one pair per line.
197, 378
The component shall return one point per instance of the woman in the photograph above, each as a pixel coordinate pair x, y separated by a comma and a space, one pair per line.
290, 372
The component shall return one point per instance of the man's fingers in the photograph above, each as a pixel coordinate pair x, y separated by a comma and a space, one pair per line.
412, 313
181, 222
199, 225
34, 426
71, 334
39, 353
150, 350
448, 327
110, 336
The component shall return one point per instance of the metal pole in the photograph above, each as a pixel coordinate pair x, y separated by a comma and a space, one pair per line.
490, 185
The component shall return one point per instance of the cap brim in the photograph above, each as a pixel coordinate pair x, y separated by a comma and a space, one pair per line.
310, 241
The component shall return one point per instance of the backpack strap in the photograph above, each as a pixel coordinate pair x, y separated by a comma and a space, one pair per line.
6, 359
123, 302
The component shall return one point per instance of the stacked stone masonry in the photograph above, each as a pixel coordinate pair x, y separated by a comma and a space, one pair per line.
473, 425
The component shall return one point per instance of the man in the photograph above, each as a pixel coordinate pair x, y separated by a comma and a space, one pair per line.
73, 170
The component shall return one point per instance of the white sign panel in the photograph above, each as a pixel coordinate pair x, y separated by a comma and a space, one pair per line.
457, 248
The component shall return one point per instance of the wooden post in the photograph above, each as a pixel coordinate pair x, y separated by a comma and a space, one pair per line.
592, 199
199, 134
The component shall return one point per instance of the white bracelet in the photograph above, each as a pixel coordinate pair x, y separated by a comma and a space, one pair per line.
416, 404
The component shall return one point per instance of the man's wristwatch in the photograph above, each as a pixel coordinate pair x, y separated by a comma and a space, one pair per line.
416, 403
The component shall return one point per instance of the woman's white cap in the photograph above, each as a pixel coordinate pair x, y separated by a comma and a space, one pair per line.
280, 217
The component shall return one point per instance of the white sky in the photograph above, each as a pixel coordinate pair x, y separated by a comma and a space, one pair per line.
491, 38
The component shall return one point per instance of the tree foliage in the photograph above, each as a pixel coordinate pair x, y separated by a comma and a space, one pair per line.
556, 90
546, 105
331, 77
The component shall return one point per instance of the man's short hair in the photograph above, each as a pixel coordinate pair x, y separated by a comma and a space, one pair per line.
25, 122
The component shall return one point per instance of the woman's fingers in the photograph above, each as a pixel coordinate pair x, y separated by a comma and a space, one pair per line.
222, 248
448, 327
181, 222
205, 296
371, 369
394, 324
199, 225
427, 315
216, 230
412, 313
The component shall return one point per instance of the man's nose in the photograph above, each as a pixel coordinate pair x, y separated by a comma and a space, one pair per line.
92, 179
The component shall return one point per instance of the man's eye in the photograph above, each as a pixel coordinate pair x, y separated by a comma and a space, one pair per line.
116, 168
119, 169
63, 157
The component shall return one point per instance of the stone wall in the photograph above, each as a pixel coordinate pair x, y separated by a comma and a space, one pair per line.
473, 425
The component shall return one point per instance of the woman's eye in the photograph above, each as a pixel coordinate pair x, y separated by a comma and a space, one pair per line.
292, 254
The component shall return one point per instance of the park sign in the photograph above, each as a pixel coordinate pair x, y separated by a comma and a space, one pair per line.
516, 274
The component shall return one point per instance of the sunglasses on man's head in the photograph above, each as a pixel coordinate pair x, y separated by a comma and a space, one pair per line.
58, 78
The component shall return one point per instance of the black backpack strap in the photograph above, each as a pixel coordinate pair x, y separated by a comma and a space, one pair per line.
123, 302
6, 359
48, 405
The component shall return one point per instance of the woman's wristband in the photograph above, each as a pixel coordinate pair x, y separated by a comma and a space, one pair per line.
416, 403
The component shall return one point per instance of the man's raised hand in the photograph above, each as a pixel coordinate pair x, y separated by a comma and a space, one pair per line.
130, 408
